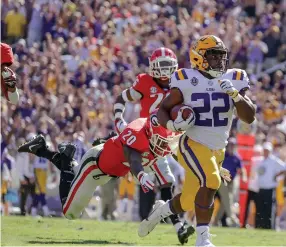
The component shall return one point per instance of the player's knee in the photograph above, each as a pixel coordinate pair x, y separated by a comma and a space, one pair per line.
213, 182
187, 202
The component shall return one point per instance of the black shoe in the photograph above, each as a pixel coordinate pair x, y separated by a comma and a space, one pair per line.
33, 145
68, 149
185, 232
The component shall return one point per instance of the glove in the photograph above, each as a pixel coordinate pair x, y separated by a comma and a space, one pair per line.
145, 181
9, 78
179, 124
225, 174
228, 88
120, 125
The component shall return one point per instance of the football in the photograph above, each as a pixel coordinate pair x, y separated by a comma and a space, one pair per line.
186, 111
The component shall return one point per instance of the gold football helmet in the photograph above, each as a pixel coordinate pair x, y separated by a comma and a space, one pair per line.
210, 55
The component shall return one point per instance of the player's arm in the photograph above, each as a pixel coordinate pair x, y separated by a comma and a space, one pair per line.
134, 159
245, 108
179, 124
128, 95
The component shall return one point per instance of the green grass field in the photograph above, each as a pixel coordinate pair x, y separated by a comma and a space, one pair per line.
54, 231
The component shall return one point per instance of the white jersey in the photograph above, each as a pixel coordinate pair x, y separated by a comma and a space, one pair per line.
40, 162
214, 109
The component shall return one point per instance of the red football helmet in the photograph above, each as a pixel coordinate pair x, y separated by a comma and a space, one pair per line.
161, 139
162, 63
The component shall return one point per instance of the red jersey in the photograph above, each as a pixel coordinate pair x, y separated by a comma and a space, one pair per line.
152, 94
112, 160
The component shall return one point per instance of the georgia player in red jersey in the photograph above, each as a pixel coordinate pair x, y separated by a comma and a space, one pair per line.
136, 148
150, 89
8, 77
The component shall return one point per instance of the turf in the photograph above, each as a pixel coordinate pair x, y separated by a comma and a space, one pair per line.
18, 231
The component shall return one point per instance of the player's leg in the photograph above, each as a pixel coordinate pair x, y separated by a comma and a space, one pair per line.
36, 197
205, 164
121, 202
43, 188
38, 147
203, 180
166, 180
179, 204
84, 184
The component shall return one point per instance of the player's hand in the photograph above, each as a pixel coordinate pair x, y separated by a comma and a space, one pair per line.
145, 181
225, 174
228, 88
9, 78
120, 125
180, 124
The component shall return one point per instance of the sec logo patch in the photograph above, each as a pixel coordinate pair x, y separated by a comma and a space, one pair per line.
153, 90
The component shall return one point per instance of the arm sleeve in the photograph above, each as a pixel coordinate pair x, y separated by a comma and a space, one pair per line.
139, 86
135, 95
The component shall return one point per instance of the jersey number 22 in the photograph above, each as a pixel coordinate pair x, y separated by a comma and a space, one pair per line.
207, 98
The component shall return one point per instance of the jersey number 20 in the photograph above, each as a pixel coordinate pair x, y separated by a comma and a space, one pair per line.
206, 97
129, 138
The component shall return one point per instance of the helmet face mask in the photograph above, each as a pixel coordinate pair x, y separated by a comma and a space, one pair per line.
160, 138
217, 60
159, 145
209, 55
162, 63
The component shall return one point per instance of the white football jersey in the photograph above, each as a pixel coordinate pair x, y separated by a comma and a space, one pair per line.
41, 162
214, 109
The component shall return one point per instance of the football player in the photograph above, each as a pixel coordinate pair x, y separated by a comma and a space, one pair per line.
135, 149
214, 92
150, 89
8, 77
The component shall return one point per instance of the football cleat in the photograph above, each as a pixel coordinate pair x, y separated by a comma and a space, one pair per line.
154, 218
185, 232
32, 146
68, 149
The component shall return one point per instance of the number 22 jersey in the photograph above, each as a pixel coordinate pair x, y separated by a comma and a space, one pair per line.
213, 108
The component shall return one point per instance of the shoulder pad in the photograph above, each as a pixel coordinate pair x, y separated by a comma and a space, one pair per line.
239, 78
181, 75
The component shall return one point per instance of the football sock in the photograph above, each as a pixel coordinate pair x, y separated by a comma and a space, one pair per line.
200, 229
67, 176
166, 210
166, 194
178, 225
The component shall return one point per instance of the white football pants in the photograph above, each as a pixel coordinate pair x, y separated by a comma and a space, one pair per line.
84, 184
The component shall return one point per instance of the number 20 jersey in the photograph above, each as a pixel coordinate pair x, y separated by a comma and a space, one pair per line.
151, 94
213, 108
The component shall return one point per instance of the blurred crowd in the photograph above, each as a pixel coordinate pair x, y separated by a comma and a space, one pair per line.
73, 57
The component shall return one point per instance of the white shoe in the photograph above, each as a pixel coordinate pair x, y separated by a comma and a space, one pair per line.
203, 240
154, 218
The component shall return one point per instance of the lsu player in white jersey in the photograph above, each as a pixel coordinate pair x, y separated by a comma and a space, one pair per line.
40, 165
214, 92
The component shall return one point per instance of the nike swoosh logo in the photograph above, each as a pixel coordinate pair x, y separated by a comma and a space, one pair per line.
203, 232
62, 149
32, 147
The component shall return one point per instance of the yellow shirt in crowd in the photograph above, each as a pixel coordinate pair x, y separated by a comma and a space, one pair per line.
15, 24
